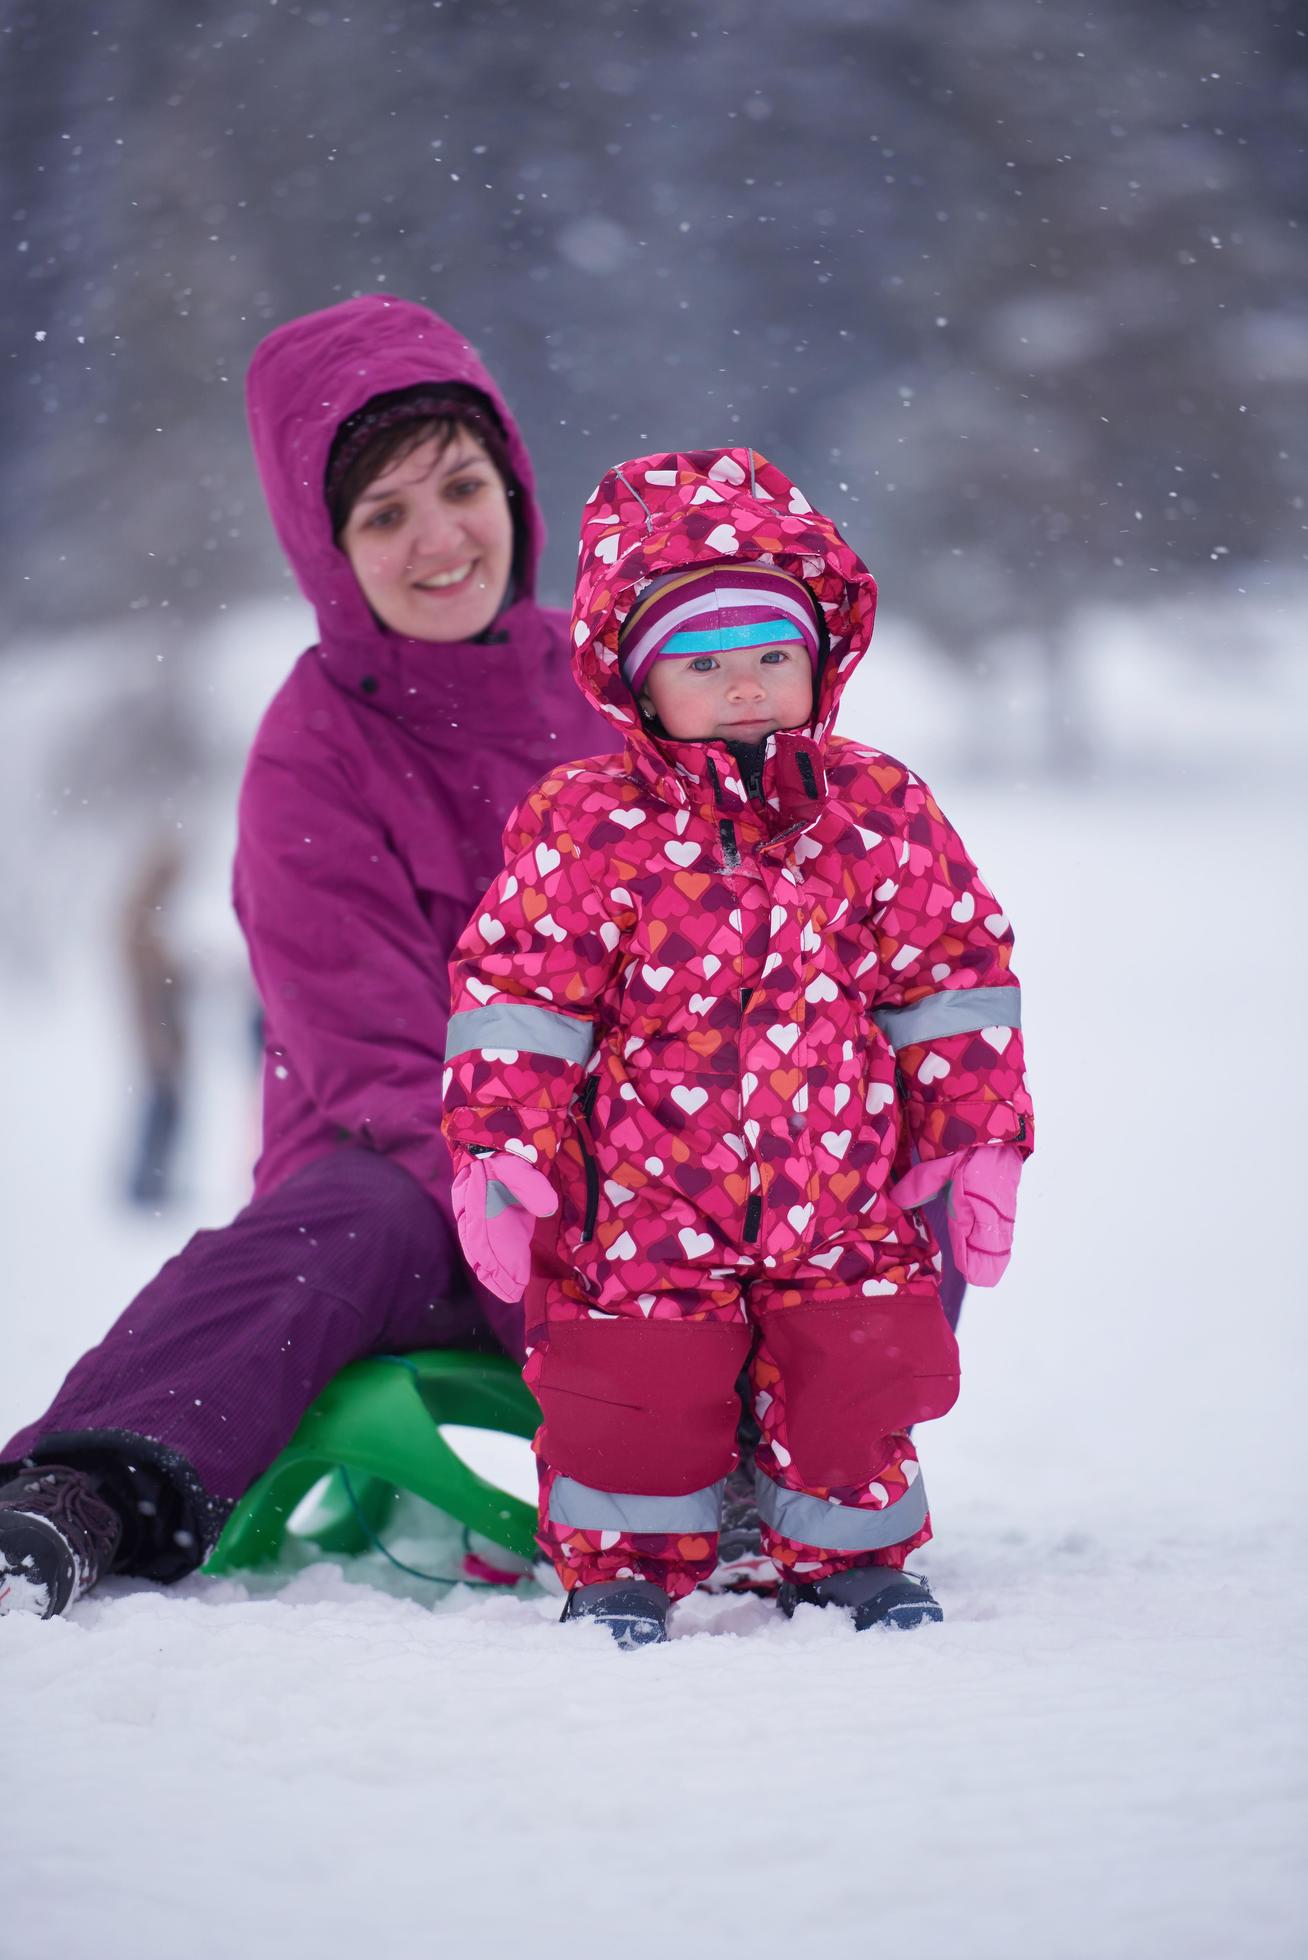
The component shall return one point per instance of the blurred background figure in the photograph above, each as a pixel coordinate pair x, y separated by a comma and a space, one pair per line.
157, 998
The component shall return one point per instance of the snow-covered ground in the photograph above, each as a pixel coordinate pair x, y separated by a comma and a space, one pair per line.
1102, 1751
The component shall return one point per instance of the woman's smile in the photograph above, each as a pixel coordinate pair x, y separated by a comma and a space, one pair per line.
442, 581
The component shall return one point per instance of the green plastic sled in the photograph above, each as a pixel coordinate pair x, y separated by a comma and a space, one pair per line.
378, 1423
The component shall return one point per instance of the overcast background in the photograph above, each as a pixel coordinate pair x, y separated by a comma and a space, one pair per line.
1017, 288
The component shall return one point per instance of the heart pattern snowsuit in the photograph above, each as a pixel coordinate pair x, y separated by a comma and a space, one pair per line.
722, 1015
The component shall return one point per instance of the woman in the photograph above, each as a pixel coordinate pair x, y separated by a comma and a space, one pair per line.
370, 822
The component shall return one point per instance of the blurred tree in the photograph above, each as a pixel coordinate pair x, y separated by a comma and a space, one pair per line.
1012, 288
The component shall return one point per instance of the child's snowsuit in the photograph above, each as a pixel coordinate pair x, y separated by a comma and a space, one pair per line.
721, 1014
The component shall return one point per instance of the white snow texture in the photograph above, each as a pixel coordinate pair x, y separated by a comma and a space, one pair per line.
1099, 1754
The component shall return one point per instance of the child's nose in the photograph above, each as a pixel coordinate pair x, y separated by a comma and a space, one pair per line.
747, 686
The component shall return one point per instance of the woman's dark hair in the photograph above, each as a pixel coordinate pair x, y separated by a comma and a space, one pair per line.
390, 427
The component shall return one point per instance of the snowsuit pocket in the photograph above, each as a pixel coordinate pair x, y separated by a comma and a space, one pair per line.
856, 1373
644, 1406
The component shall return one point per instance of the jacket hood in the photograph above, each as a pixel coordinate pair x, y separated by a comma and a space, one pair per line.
307, 378
668, 512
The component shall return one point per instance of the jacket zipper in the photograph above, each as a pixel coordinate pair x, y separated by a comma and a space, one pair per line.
731, 861
585, 1109
753, 779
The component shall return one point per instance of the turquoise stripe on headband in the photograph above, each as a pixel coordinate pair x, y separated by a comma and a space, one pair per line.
720, 639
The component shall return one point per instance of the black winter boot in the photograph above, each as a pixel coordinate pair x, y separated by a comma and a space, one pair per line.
57, 1537
635, 1611
874, 1595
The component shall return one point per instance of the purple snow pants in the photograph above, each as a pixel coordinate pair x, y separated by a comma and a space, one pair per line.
199, 1384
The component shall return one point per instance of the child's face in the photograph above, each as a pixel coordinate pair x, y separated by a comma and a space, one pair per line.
431, 541
740, 695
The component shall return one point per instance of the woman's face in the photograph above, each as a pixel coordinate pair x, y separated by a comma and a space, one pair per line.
430, 541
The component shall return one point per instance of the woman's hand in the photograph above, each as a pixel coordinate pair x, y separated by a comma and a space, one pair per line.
497, 1200
980, 1187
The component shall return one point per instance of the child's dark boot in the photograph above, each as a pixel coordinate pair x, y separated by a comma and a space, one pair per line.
57, 1537
635, 1611
873, 1595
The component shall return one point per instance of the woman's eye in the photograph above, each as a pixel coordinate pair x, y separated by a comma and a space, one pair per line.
384, 519
465, 487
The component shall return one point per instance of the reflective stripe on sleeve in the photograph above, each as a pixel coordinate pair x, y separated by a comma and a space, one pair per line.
955, 1010
512, 1024
839, 1527
585, 1509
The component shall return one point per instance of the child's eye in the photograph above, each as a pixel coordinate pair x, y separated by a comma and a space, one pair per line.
703, 663
776, 655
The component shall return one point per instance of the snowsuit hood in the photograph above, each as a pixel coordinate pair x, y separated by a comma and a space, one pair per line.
671, 511
307, 378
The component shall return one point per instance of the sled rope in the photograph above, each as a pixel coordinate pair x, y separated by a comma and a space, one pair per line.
432, 1578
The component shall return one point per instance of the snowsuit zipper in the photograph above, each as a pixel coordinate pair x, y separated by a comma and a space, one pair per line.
585, 1109
749, 760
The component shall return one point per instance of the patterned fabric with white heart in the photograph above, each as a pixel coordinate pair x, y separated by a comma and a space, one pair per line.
703, 999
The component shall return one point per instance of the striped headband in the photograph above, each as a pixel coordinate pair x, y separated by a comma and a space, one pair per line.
711, 609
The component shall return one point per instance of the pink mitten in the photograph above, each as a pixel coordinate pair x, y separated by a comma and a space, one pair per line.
497, 1200
980, 1187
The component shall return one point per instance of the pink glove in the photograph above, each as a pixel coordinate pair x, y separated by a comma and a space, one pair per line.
497, 1200
980, 1187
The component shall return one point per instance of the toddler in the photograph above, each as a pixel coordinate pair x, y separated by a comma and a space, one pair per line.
737, 1005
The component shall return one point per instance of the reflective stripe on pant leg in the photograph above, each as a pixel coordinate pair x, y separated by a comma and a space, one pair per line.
586, 1509
830, 1527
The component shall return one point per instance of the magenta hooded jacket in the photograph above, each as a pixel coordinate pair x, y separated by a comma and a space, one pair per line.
383, 772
